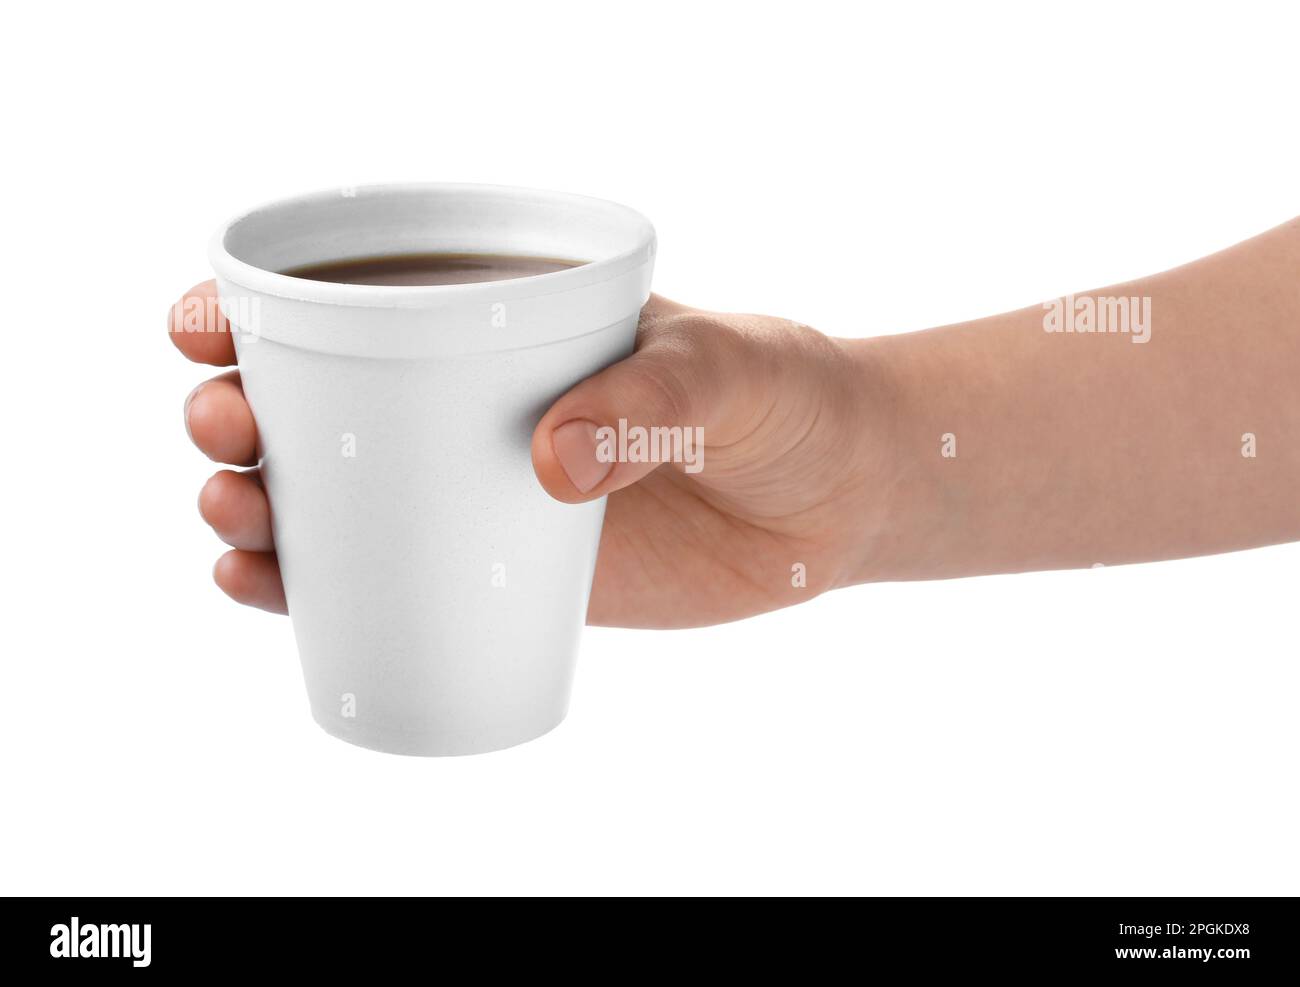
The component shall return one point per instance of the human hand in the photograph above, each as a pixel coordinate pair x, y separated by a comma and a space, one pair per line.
772, 518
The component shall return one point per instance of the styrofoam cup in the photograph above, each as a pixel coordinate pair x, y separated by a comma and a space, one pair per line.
437, 592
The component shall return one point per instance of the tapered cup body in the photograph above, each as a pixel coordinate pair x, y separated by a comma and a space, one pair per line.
437, 592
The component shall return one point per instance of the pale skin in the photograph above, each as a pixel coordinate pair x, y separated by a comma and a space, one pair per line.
986, 447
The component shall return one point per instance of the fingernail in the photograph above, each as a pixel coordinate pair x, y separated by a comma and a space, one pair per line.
575, 447
189, 401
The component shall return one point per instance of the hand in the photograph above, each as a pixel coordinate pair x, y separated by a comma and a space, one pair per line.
773, 517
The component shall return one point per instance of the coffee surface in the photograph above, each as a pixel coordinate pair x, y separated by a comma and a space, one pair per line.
430, 269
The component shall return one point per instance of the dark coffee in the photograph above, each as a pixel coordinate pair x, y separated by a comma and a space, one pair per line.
420, 269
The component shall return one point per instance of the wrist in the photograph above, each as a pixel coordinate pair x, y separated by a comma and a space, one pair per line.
896, 494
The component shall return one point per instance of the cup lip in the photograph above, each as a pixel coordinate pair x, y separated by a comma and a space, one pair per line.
230, 268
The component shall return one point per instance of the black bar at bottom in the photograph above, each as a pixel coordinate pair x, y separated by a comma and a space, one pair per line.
1132, 938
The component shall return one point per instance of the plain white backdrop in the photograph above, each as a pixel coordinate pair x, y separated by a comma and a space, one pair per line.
1111, 731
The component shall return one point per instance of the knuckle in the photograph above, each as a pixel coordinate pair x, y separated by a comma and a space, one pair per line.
665, 391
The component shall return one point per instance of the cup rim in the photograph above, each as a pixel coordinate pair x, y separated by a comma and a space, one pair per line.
233, 269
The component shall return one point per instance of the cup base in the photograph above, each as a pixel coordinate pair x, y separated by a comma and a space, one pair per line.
414, 745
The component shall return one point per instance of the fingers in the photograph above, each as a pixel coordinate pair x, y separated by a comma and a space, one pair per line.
251, 578
220, 422
198, 328
235, 505
680, 377
216, 415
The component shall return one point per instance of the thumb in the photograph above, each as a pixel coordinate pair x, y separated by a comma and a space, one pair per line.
598, 437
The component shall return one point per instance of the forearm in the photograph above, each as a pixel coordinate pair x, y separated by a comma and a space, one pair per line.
1012, 448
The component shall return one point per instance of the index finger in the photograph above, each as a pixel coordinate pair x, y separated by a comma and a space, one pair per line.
198, 328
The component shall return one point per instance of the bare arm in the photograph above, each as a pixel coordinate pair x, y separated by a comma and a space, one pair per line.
1067, 449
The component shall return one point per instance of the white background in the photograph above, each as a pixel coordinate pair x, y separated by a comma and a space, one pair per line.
1111, 731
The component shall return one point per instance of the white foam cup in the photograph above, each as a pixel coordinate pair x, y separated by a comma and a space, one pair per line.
437, 592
